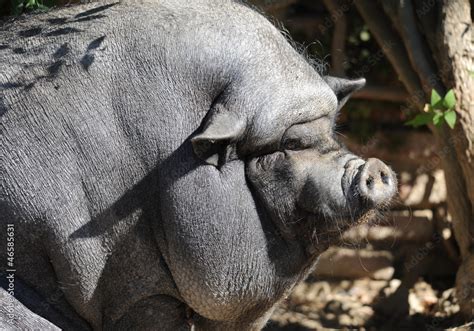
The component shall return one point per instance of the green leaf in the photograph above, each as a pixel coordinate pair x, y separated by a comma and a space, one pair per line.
420, 119
449, 100
438, 106
435, 98
437, 118
450, 118
30, 4
471, 72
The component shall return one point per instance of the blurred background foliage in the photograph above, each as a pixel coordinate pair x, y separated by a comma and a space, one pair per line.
17, 7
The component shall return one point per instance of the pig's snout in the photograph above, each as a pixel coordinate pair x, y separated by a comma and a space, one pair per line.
377, 183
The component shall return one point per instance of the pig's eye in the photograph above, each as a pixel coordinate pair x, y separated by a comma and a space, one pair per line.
292, 143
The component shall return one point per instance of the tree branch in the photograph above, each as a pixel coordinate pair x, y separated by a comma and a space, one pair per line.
426, 12
390, 7
338, 43
417, 49
392, 46
383, 93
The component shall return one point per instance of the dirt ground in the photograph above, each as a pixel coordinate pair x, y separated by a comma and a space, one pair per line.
366, 304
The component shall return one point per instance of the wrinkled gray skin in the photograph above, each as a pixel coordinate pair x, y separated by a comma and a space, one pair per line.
168, 164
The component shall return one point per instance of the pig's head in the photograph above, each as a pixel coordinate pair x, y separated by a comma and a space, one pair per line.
295, 166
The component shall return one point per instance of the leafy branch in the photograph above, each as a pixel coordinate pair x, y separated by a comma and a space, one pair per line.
438, 111
20, 6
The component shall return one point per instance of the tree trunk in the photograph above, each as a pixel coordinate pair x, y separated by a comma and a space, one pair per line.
430, 45
457, 53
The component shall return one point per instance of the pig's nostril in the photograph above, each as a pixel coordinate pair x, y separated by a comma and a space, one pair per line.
370, 183
377, 184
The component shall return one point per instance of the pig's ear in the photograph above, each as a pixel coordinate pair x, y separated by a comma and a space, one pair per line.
343, 88
216, 143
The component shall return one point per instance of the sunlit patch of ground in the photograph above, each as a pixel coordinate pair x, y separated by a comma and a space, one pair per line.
319, 305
